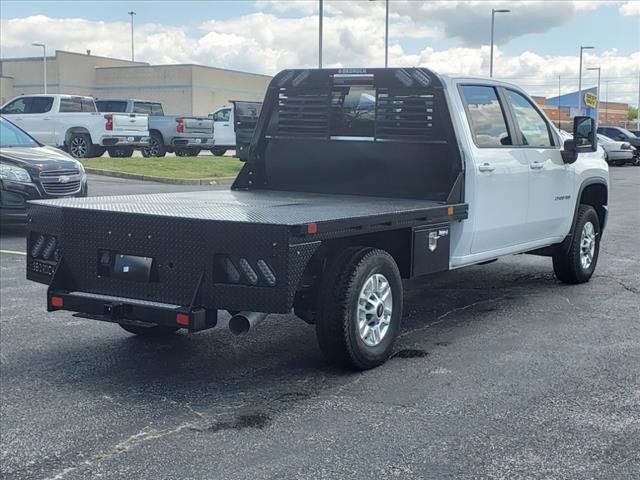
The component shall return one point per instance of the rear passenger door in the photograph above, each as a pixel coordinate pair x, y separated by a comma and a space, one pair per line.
500, 193
550, 181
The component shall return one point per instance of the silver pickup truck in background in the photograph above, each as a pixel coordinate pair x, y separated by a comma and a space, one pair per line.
184, 135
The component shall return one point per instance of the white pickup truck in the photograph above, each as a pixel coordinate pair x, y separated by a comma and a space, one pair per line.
355, 180
73, 123
233, 127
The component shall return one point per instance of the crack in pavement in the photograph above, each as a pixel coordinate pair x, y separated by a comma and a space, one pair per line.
621, 283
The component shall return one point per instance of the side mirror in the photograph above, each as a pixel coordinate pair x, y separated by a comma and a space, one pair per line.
584, 134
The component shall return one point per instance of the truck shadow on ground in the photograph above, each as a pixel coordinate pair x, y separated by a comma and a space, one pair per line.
282, 352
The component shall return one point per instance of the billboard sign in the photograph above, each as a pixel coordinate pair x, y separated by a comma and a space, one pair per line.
591, 100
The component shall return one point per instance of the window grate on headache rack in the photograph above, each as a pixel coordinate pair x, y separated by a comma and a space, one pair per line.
404, 116
303, 115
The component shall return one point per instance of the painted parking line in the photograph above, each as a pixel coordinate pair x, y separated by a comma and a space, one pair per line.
14, 252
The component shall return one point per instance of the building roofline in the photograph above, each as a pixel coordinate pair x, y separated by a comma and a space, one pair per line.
53, 57
186, 65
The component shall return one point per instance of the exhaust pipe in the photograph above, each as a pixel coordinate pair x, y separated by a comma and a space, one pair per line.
242, 322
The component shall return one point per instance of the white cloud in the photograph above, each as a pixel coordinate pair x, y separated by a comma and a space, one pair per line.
266, 43
630, 9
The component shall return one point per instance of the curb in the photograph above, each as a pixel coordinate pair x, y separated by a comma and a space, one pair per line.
173, 181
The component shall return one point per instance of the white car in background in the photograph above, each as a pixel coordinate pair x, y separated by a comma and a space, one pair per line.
617, 152
73, 122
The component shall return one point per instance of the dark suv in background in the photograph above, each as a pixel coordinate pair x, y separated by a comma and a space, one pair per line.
30, 171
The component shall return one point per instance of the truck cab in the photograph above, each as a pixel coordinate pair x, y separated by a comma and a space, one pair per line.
355, 179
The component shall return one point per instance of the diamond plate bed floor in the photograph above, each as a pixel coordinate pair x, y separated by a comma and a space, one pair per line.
258, 206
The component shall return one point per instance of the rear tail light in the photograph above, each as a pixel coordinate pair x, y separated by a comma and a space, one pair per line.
109, 124
180, 125
57, 302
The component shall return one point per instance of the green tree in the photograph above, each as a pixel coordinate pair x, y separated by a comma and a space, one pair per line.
632, 114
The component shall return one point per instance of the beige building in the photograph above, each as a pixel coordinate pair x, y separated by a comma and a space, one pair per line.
182, 89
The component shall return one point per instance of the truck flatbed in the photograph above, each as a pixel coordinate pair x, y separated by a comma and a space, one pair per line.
265, 207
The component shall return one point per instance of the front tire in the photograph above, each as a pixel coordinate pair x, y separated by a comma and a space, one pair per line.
360, 308
218, 151
577, 264
156, 331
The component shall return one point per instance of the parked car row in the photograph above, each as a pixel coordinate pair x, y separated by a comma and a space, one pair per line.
621, 146
85, 127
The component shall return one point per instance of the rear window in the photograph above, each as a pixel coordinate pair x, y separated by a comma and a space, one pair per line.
116, 106
141, 107
156, 110
41, 104
485, 116
76, 104
353, 110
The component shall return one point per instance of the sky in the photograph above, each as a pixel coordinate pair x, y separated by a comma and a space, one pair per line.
536, 42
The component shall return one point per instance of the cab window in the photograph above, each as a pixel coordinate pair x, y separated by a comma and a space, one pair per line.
70, 105
533, 129
142, 107
485, 115
222, 115
40, 105
156, 110
18, 106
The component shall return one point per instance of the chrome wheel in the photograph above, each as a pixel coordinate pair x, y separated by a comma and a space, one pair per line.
78, 147
375, 306
587, 245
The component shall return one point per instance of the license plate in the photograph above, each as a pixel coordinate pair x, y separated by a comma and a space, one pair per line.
129, 139
130, 267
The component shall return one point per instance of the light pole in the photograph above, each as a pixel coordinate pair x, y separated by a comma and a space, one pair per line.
493, 23
580, 80
44, 63
320, 34
598, 97
386, 34
132, 13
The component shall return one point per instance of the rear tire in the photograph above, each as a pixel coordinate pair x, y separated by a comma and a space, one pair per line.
156, 146
577, 264
353, 298
155, 331
218, 151
80, 145
120, 152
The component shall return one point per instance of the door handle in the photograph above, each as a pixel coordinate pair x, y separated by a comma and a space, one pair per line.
537, 165
47, 118
485, 167
225, 124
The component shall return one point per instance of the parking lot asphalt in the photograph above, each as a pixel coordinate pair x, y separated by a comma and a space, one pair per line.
500, 372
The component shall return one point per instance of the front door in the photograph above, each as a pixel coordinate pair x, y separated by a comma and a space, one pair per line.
223, 131
550, 188
501, 187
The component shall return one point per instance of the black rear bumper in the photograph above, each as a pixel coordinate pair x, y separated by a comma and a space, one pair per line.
129, 311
